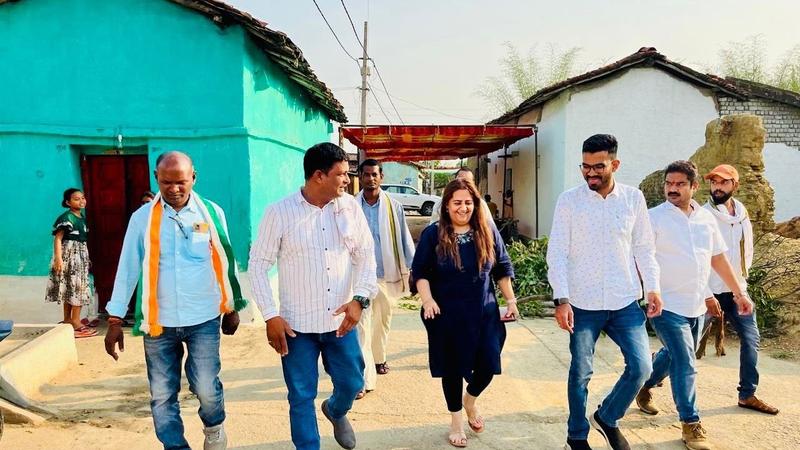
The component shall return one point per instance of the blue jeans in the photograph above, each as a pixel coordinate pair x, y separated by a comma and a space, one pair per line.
626, 328
676, 359
342, 360
163, 355
749, 339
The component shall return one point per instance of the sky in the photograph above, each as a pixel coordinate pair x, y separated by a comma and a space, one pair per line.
434, 54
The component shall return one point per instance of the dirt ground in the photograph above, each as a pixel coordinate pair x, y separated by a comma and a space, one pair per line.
104, 404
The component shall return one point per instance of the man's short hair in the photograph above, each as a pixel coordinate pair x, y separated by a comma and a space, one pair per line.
322, 157
464, 169
371, 163
601, 143
682, 166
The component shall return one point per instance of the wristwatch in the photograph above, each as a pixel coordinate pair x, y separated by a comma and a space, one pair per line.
363, 301
560, 301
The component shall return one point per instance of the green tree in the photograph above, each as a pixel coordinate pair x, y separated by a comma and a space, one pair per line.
748, 60
523, 75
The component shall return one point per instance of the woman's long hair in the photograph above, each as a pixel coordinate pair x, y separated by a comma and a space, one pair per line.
447, 248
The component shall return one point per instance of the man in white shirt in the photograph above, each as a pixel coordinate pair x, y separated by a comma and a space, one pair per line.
600, 236
734, 223
326, 267
688, 246
463, 173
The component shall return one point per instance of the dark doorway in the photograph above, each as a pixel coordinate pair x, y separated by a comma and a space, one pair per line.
114, 185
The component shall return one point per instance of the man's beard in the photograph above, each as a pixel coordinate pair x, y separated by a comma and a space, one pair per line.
720, 197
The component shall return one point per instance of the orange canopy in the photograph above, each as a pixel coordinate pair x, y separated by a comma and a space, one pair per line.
426, 142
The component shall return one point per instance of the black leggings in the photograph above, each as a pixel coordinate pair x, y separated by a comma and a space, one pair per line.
453, 387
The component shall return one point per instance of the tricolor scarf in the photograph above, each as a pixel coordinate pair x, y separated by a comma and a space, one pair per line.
222, 262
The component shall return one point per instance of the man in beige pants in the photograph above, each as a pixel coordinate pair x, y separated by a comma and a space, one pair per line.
394, 251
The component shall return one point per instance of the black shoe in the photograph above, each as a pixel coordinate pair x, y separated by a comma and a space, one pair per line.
612, 435
577, 444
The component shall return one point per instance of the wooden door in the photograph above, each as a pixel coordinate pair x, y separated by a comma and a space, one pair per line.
113, 187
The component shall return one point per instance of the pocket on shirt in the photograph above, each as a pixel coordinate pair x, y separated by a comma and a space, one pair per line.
200, 246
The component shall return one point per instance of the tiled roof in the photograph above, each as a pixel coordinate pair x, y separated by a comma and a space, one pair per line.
773, 93
646, 56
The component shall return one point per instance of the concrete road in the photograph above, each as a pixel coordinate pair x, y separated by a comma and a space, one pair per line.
104, 404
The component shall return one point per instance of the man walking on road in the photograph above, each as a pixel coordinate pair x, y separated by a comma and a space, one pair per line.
734, 223
321, 242
688, 246
600, 235
394, 252
178, 250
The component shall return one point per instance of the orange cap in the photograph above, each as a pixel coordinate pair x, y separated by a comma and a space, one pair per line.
724, 171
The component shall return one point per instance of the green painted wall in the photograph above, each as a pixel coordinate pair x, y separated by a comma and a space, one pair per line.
117, 63
282, 123
163, 76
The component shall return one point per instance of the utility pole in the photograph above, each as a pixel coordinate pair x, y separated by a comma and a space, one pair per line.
364, 88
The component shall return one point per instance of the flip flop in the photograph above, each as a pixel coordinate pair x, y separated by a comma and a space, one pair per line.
479, 424
84, 332
90, 323
457, 439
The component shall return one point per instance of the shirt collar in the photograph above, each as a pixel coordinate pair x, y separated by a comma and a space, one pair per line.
615, 191
366, 203
190, 206
302, 200
695, 208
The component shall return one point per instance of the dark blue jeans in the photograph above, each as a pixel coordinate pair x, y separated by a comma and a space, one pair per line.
676, 359
749, 340
163, 355
342, 360
626, 328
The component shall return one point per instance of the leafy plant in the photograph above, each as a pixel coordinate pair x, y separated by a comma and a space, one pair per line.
530, 269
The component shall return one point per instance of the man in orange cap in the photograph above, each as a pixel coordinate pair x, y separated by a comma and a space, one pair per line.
734, 223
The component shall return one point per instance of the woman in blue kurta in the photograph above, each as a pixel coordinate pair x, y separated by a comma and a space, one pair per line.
454, 266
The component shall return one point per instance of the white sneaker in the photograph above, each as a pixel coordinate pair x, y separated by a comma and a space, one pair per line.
216, 439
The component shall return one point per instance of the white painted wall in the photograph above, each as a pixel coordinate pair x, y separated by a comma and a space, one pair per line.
781, 165
656, 118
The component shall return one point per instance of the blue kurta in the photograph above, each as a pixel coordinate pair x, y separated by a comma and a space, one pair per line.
468, 332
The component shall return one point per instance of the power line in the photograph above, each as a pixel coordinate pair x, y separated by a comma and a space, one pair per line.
333, 32
355, 59
372, 91
353, 26
429, 109
386, 90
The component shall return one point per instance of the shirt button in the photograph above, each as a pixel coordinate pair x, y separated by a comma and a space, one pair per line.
326, 249
329, 290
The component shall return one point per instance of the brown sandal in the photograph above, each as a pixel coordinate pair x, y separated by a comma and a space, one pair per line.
757, 404
382, 368
84, 332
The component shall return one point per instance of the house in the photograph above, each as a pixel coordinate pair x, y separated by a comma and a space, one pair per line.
658, 110
407, 173
95, 90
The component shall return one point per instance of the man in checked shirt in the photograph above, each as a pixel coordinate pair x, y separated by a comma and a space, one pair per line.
322, 244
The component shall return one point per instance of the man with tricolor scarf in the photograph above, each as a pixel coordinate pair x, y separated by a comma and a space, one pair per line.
177, 249
734, 223
394, 252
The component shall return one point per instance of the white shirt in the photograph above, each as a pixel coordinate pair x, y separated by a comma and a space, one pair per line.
684, 247
324, 255
596, 245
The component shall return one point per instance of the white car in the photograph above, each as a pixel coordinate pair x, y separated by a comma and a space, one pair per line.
412, 199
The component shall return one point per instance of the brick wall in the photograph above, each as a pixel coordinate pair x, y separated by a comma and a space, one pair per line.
781, 121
